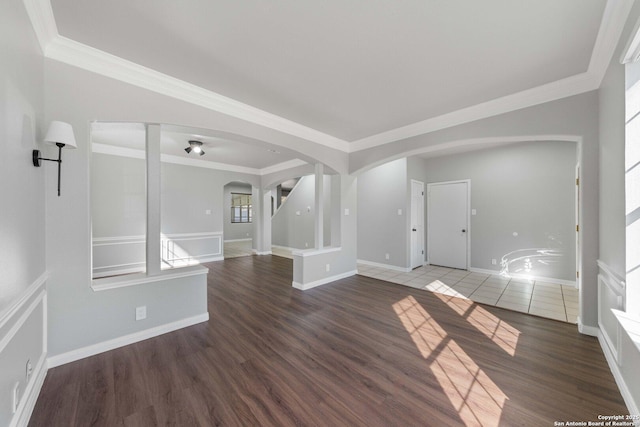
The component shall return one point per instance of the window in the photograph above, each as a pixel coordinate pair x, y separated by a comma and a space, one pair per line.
241, 208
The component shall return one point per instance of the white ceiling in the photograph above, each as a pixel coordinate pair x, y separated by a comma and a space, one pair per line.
174, 139
348, 68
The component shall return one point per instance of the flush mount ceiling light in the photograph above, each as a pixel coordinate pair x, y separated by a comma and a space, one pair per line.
195, 146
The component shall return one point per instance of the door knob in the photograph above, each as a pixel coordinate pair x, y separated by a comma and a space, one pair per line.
464, 231
413, 229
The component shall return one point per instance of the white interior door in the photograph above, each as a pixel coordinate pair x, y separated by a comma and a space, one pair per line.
448, 224
417, 224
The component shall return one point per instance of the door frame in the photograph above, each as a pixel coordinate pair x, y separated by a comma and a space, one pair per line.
422, 234
458, 181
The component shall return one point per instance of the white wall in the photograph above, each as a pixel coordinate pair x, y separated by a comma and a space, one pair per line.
22, 216
382, 191
527, 188
235, 231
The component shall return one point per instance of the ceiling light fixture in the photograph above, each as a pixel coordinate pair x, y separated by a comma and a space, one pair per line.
195, 146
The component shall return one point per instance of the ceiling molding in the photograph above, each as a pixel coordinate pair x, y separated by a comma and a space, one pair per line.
472, 143
88, 58
168, 158
42, 21
611, 27
631, 52
552, 91
77, 54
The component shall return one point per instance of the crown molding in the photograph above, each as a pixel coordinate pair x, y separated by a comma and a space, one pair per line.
42, 21
82, 56
168, 158
468, 143
611, 26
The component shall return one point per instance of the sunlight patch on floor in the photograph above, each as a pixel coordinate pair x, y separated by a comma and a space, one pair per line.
497, 330
476, 398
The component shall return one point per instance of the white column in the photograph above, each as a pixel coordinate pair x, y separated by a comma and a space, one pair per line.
154, 256
319, 219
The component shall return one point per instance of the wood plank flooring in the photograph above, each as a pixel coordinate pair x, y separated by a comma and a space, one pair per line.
358, 352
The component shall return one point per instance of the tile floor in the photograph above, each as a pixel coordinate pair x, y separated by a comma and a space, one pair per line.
544, 299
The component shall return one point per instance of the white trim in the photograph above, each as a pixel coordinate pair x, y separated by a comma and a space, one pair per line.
586, 329
31, 392
101, 347
77, 54
630, 324
631, 52
238, 240
619, 378
613, 343
257, 252
43, 22
133, 153
21, 320
21, 301
194, 236
524, 276
563, 88
118, 269
612, 25
118, 240
305, 286
387, 266
313, 252
141, 278
91, 59
289, 164
614, 281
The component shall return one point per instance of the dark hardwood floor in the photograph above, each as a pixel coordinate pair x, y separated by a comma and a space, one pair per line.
358, 352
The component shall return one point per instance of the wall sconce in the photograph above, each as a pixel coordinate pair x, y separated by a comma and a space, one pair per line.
60, 134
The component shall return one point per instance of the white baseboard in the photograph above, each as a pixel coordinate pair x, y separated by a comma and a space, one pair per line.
28, 402
305, 286
210, 259
91, 350
593, 331
238, 240
387, 266
261, 252
524, 276
617, 375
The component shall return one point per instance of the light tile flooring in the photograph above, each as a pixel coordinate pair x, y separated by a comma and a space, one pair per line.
544, 299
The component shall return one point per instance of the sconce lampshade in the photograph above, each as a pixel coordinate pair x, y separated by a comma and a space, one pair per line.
62, 133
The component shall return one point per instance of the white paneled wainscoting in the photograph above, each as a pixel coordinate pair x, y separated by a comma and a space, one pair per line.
23, 353
620, 347
117, 255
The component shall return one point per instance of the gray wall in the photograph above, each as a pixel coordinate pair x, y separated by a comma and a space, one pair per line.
528, 188
22, 216
297, 231
235, 231
612, 209
118, 202
612, 215
381, 192
575, 117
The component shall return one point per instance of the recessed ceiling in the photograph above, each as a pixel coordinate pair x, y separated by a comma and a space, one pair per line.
174, 139
348, 68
